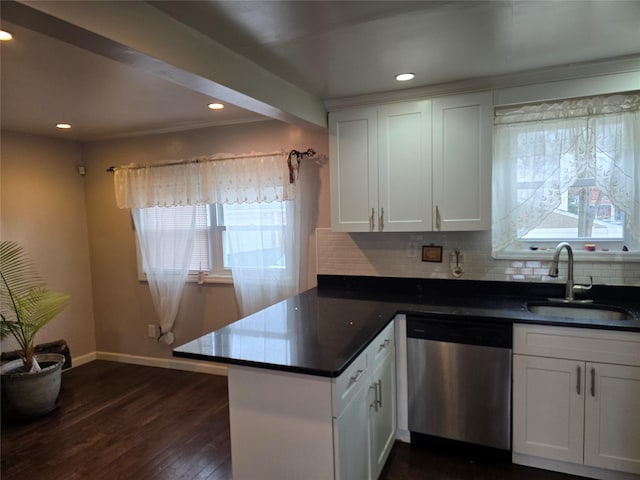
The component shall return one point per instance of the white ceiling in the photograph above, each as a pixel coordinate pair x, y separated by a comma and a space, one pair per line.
330, 49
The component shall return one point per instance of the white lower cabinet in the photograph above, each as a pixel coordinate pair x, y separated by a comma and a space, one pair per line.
382, 411
365, 427
576, 398
295, 426
352, 434
612, 417
548, 407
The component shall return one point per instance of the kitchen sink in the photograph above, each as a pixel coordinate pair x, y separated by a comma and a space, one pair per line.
580, 311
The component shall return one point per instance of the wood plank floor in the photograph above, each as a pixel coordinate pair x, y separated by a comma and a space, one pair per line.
119, 421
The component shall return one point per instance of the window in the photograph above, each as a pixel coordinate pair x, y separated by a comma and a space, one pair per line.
259, 233
258, 228
567, 171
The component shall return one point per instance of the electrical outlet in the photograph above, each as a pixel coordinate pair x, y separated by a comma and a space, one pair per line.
152, 331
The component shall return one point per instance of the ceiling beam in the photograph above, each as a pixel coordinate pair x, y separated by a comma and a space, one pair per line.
143, 37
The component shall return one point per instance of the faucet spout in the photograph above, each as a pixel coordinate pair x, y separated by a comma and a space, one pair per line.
553, 269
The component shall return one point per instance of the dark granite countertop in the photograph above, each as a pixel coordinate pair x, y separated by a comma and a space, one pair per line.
320, 331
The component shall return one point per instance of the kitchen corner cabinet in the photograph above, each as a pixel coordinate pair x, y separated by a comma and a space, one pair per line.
289, 425
575, 398
412, 166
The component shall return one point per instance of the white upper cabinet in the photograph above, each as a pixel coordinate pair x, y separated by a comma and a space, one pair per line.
462, 132
353, 149
404, 167
413, 166
380, 165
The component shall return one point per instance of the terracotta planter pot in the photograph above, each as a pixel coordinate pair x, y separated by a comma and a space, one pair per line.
33, 394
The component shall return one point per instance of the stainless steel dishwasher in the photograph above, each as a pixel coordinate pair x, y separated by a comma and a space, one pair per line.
459, 376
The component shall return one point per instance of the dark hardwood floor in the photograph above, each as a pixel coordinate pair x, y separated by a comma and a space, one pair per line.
119, 421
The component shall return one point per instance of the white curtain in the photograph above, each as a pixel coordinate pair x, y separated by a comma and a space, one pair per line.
265, 257
540, 150
217, 179
166, 254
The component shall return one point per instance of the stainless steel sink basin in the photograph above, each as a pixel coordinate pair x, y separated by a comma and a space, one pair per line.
580, 311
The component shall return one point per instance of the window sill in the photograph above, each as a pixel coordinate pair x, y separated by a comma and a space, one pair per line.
578, 255
208, 279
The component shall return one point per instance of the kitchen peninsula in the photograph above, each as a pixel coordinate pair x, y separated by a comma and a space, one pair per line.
312, 378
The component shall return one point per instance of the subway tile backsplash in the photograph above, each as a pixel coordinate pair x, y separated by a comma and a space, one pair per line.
395, 255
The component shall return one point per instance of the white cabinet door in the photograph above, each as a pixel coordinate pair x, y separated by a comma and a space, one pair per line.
351, 438
383, 412
462, 133
404, 159
353, 151
548, 407
612, 417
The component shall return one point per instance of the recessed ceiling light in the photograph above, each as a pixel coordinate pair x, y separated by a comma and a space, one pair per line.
215, 106
4, 36
63, 126
403, 77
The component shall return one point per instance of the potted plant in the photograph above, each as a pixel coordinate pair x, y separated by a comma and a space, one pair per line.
32, 383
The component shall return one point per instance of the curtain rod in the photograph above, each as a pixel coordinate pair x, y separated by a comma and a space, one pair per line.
309, 153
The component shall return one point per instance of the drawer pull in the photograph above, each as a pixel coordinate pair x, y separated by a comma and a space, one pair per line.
356, 378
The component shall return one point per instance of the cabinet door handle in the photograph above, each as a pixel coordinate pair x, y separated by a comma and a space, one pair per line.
374, 405
593, 382
379, 395
356, 378
437, 218
381, 221
385, 344
372, 220
578, 382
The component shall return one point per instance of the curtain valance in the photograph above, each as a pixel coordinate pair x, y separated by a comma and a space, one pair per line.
572, 108
220, 178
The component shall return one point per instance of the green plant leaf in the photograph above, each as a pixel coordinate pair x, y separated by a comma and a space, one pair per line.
26, 305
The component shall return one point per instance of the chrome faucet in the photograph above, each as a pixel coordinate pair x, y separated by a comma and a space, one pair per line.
553, 272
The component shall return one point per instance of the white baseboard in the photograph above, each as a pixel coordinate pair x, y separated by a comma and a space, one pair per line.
403, 435
173, 363
571, 468
82, 359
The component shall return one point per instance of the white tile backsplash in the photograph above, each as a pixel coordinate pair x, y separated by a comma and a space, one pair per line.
385, 255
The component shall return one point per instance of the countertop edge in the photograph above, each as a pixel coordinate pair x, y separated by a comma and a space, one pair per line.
513, 311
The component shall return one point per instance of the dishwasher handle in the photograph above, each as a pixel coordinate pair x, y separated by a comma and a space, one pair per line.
461, 330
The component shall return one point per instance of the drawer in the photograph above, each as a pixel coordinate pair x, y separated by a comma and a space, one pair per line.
347, 385
381, 345
591, 345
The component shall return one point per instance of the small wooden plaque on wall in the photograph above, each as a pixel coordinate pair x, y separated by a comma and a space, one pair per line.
432, 253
